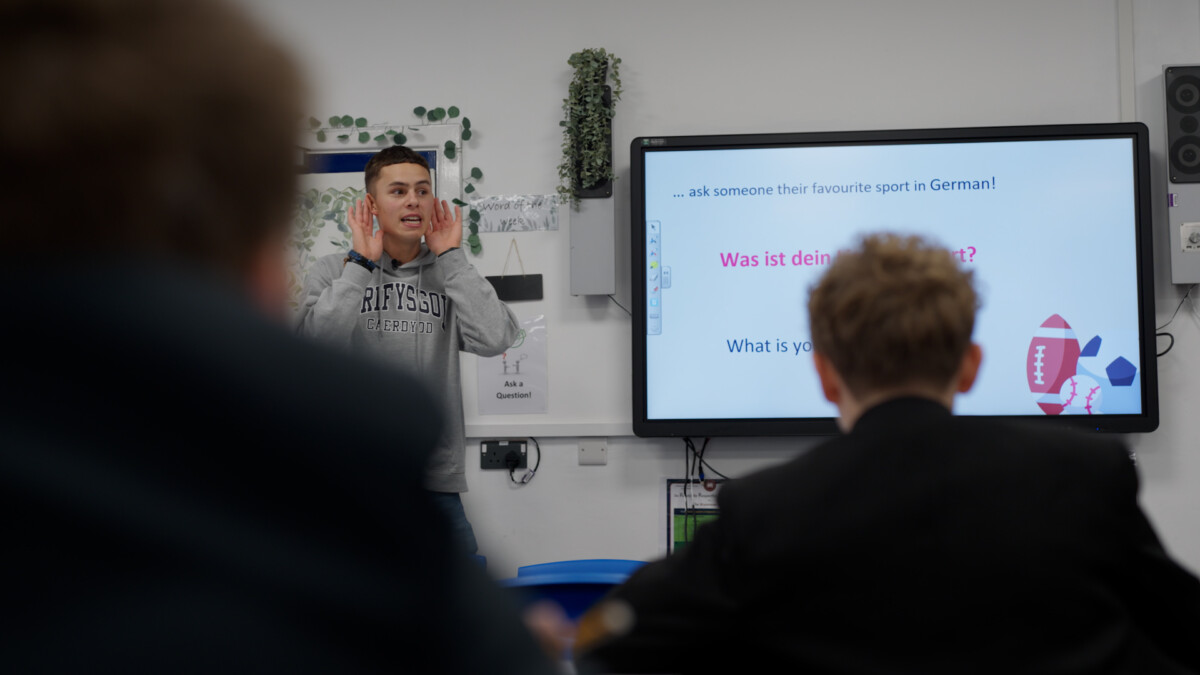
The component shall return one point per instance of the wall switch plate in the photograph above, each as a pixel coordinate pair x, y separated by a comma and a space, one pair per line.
1189, 236
593, 451
494, 454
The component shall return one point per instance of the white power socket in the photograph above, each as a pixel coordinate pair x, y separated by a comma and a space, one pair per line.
593, 451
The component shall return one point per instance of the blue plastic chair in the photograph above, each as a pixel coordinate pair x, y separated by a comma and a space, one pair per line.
575, 585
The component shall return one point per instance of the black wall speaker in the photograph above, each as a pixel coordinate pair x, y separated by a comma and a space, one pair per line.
1183, 123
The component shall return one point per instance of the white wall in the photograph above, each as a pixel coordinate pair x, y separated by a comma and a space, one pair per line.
1168, 32
703, 66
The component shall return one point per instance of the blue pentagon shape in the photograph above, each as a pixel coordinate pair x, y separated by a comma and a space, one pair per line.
1120, 372
1092, 348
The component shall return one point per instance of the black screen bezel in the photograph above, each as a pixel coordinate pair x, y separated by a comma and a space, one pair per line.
642, 146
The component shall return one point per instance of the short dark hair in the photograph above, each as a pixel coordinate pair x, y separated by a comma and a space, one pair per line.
160, 127
896, 311
394, 154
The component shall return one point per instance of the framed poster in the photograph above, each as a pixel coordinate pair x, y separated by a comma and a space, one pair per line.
331, 181
690, 504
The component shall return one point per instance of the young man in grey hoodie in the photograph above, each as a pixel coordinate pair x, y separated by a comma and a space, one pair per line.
414, 303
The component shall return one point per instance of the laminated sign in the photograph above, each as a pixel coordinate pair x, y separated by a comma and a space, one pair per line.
515, 381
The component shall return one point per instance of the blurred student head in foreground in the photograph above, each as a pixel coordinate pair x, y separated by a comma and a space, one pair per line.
147, 129
179, 500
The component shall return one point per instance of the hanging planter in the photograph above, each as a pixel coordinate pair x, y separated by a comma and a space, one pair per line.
586, 170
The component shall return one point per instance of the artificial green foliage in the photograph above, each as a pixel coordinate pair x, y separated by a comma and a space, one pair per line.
347, 120
419, 111
466, 134
321, 136
466, 123
476, 173
399, 139
314, 123
364, 136
343, 137
381, 138
458, 202
450, 150
360, 122
452, 111
587, 142
319, 214
314, 211
469, 188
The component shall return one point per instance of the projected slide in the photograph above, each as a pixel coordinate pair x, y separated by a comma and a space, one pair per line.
734, 239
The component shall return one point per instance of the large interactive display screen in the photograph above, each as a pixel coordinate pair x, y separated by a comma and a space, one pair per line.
729, 233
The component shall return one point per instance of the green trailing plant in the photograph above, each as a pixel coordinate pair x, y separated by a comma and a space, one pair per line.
437, 116
588, 110
346, 127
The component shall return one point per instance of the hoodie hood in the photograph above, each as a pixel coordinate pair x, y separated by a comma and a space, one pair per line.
424, 259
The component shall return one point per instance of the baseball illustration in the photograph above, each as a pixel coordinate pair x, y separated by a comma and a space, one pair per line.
1081, 395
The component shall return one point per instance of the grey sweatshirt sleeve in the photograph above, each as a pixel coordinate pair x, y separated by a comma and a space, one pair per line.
333, 297
486, 325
